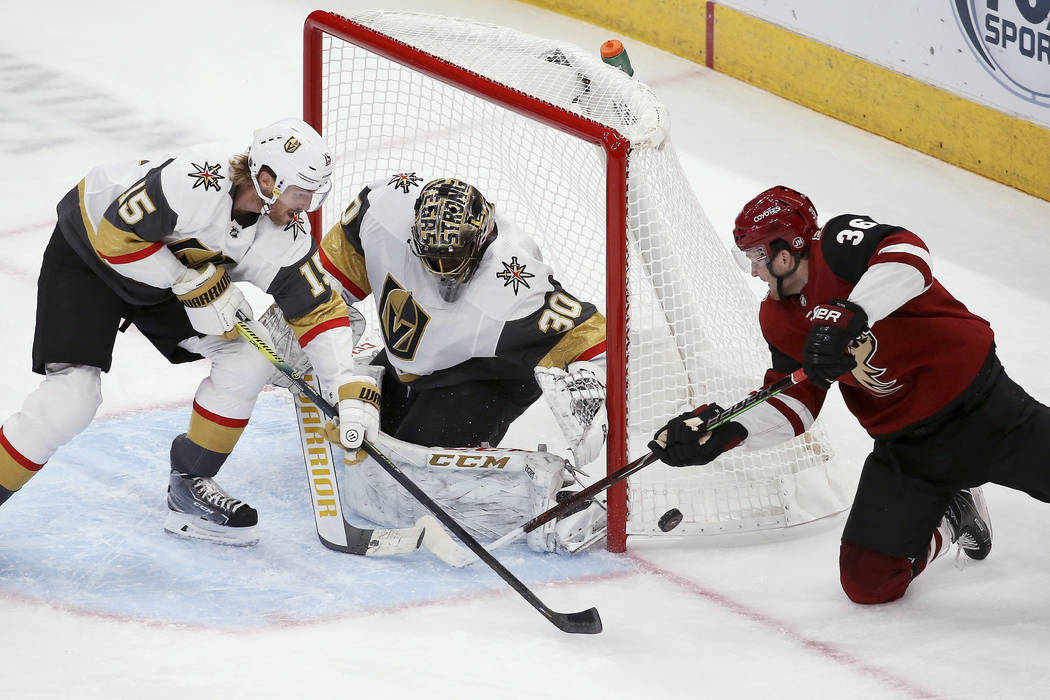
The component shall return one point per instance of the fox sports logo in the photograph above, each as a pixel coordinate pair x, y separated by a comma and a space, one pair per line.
1011, 39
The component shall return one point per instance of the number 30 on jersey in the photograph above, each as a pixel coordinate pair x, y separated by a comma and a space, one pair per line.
560, 314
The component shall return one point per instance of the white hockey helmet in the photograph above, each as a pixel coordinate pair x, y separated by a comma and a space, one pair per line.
299, 159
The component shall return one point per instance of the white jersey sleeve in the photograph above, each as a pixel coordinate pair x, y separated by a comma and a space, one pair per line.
511, 316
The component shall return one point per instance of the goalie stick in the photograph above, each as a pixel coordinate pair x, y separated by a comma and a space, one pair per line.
583, 622
758, 397
334, 531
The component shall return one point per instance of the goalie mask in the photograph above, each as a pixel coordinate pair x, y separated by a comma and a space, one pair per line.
298, 158
453, 226
780, 214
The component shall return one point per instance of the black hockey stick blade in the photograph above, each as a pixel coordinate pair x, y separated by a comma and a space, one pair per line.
583, 622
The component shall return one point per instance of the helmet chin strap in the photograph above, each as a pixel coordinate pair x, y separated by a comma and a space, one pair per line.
780, 278
267, 201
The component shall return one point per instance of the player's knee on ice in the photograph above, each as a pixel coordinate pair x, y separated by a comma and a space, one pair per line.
869, 577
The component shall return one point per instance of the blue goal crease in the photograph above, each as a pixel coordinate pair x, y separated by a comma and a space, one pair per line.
87, 534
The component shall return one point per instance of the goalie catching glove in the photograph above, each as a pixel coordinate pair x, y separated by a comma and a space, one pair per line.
684, 442
576, 396
211, 299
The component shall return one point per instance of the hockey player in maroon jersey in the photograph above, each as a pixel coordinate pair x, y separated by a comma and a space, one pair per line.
855, 302
158, 244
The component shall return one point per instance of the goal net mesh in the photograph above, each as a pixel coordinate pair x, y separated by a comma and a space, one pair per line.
690, 316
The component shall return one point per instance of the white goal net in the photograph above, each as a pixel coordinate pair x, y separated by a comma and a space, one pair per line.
577, 154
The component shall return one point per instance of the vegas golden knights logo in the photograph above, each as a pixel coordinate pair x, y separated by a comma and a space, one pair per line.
867, 374
403, 321
292, 145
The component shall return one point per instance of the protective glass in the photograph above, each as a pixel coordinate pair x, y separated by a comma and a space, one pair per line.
298, 199
748, 259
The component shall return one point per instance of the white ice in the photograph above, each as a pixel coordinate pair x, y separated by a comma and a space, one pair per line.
96, 602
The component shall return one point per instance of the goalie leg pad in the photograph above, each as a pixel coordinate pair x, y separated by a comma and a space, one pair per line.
488, 491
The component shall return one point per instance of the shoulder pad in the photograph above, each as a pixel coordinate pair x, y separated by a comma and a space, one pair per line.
196, 181
512, 278
849, 241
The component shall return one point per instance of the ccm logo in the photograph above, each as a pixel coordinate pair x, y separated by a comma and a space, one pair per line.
824, 313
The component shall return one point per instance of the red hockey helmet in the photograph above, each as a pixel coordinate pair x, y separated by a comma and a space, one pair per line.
779, 213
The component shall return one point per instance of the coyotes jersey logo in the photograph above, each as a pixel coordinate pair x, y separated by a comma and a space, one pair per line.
867, 374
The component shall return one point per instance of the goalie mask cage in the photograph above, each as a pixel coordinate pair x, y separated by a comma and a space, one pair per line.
577, 154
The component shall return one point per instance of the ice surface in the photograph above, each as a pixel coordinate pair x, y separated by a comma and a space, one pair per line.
97, 602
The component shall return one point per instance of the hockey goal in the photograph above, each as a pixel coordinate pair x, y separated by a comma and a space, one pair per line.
578, 154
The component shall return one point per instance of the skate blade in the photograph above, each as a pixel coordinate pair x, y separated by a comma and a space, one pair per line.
193, 527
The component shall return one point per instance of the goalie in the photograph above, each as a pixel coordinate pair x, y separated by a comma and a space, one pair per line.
475, 329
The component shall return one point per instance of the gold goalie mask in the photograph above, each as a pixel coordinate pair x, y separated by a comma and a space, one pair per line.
453, 226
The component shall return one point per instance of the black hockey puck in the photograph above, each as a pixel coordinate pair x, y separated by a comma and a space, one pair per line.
670, 520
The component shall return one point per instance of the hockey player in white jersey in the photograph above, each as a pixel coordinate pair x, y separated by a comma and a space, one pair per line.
158, 244
475, 329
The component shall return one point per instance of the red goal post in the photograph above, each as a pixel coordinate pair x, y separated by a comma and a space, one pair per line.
398, 91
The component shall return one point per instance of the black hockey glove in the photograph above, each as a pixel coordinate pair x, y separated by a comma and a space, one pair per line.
835, 325
683, 441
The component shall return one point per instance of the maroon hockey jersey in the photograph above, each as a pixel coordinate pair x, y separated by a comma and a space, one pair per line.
912, 363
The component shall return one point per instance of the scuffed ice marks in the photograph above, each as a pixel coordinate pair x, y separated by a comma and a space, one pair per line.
44, 108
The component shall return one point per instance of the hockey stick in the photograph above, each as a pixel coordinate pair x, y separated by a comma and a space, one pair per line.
333, 530
760, 396
332, 527
583, 622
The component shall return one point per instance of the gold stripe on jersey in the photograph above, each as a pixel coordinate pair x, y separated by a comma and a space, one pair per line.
13, 475
213, 436
330, 310
576, 342
109, 241
348, 261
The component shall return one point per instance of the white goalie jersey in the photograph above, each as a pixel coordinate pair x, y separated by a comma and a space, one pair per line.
512, 317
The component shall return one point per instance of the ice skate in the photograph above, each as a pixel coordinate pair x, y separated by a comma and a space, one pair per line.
200, 509
967, 516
